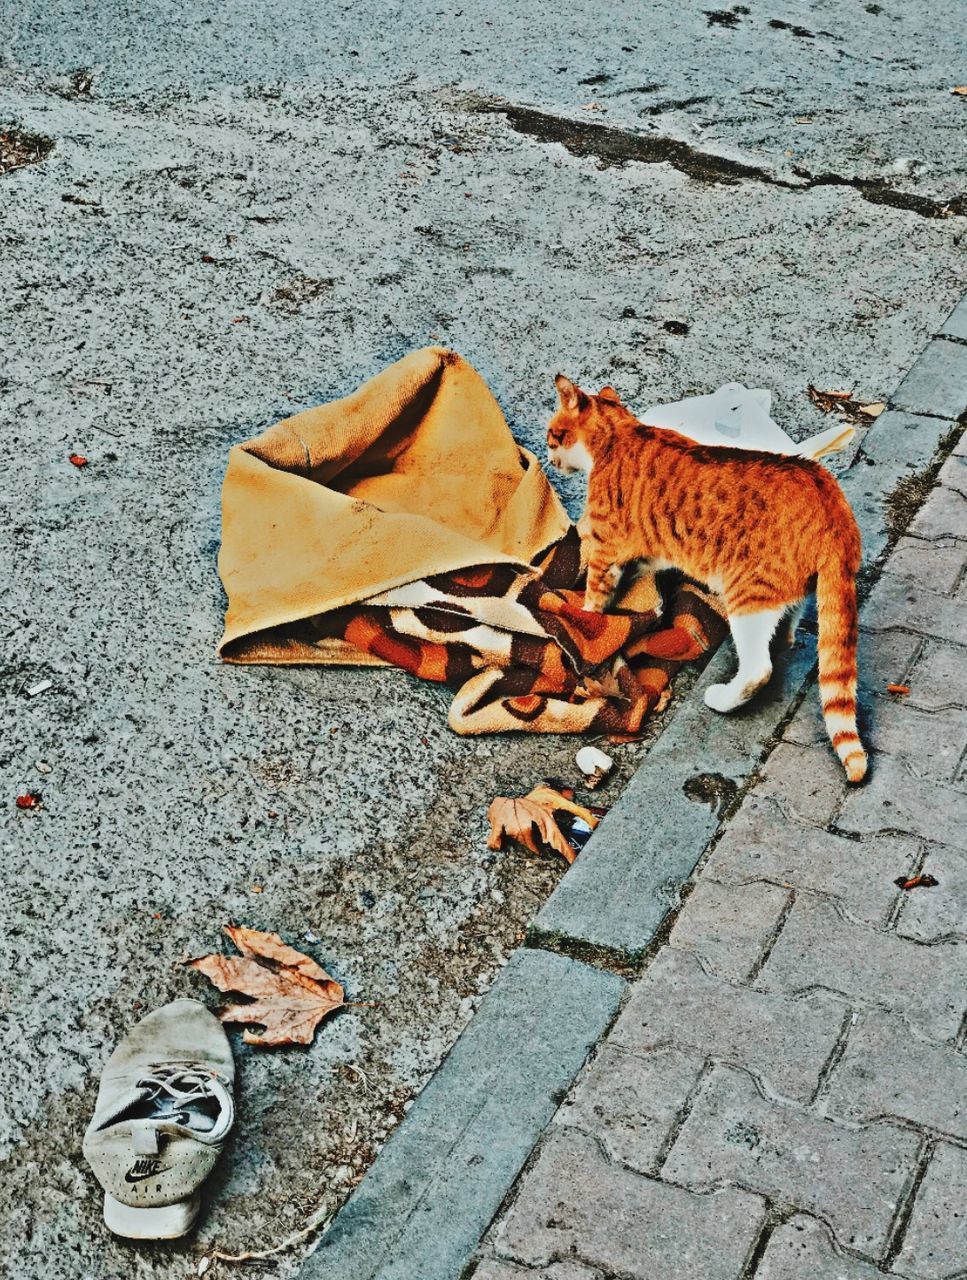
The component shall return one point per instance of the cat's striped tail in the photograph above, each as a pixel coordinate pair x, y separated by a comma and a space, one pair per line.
838, 631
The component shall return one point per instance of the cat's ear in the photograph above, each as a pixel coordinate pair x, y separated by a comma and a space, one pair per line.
569, 394
609, 393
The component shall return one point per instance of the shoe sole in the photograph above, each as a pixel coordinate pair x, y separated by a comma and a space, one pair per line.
164, 1222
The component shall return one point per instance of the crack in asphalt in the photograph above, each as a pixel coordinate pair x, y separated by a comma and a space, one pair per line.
617, 146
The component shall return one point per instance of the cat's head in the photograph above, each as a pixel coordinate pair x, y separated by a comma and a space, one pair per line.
579, 417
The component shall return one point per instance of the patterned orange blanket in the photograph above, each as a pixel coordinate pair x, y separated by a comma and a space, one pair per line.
403, 526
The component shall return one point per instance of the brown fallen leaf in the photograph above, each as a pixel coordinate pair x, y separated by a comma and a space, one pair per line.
898, 688
291, 993
604, 685
843, 405
960, 90
916, 882
520, 818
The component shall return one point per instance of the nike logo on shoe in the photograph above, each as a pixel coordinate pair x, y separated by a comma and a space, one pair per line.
142, 1169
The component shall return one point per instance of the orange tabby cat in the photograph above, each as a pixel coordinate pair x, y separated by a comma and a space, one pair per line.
762, 529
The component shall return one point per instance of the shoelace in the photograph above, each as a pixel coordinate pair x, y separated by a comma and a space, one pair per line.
177, 1085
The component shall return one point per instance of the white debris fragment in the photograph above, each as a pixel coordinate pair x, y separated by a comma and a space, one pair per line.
594, 764
311, 936
40, 687
42, 766
203, 1265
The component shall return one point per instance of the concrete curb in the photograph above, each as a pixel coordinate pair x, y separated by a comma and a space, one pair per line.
440, 1179
437, 1184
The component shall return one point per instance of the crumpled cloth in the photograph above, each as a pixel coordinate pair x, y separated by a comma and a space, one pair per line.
404, 526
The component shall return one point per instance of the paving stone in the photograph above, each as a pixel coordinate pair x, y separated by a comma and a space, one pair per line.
892, 799
927, 914
853, 1178
908, 440
884, 658
955, 326
786, 1041
936, 1238
495, 1269
801, 1249
808, 783
897, 602
817, 947
930, 742
938, 678
886, 1070
729, 925
629, 1101
759, 843
574, 1202
937, 383
936, 562
943, 515
953, 475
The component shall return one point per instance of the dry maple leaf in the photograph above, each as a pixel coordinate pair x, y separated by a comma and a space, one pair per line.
604, 685
530, 821
292, 994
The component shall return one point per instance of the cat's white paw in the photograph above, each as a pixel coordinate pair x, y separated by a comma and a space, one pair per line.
720, 698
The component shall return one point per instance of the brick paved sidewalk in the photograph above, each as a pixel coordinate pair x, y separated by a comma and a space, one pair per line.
784, 1094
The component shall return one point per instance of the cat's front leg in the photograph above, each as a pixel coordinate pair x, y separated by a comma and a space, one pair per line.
603, 575
585, 535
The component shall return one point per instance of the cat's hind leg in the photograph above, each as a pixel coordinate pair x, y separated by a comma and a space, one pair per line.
787, 628
751, 634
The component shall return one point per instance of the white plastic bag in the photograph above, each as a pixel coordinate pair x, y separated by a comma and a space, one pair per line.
738, 417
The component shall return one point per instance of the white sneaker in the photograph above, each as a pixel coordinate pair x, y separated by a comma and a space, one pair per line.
163, 1111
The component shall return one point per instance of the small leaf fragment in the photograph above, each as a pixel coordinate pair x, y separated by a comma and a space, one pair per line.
29, 800
960, 90
901, 689
916, 882
844, 406
77, 459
